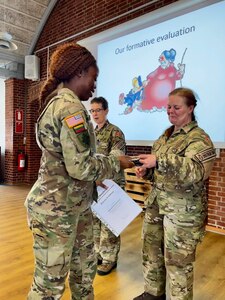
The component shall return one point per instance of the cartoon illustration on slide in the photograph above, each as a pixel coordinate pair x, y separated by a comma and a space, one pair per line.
134, 97
152, 94
162, 81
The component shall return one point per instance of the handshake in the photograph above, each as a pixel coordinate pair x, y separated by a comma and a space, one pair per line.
129, 161
136, 161
143, 160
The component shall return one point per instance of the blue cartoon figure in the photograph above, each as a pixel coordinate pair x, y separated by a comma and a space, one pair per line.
134, 97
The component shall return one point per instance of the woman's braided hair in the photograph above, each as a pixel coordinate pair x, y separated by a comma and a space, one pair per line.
68, 60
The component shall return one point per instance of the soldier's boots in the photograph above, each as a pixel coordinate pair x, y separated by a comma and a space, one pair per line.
106, 268
147, 296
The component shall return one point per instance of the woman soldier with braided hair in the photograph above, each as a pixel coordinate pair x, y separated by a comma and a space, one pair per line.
58, 204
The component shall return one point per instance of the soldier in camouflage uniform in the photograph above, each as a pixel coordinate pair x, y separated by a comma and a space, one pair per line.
58, 204
110, 141
175, 217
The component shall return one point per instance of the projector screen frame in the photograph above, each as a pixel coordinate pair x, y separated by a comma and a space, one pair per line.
160, 15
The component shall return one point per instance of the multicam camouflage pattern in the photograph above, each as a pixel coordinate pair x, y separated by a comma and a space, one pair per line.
61, 245
69, 164
83, 263
110, 141
63, 191
176, 211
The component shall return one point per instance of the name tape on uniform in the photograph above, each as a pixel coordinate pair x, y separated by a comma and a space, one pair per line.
205, 155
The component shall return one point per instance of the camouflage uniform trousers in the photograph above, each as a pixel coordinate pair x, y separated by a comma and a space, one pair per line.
63, 245
169, 246
107, 245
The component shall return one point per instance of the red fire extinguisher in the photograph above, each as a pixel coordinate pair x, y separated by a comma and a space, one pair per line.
21, 161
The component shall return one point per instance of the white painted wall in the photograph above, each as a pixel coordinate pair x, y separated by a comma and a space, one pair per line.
2, 123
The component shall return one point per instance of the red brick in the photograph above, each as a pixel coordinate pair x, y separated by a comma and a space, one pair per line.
67, 19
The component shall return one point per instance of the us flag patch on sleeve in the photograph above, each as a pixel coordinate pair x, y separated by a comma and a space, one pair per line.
74, 120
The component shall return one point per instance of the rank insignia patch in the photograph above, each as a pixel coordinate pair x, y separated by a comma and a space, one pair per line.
74, 120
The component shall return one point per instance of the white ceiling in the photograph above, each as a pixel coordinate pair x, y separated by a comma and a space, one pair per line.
23, 20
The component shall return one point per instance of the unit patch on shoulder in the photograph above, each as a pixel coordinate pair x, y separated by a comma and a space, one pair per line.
74, 120
118, 134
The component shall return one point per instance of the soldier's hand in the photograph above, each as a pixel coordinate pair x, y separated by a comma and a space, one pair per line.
125, 162
101, 184
147, 160
140, 171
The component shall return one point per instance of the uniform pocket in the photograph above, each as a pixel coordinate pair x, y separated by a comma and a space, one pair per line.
53, 245
182, 234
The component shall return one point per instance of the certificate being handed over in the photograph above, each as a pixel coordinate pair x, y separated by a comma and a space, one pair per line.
114, 207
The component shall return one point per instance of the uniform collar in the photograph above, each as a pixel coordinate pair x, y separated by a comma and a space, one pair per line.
67, 91
106, 124
188, 127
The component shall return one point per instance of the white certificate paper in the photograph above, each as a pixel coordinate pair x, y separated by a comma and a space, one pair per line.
114, 207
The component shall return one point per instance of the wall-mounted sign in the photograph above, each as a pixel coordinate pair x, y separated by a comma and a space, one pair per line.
19, 121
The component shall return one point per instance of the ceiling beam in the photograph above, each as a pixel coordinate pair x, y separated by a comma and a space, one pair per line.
11, 56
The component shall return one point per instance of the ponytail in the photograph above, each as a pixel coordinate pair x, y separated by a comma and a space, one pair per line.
47, 92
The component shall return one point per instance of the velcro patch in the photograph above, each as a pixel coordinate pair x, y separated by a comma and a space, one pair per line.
205, 155
118, 133
74, 120
79, 128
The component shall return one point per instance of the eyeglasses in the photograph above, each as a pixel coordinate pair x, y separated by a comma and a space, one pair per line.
95, 110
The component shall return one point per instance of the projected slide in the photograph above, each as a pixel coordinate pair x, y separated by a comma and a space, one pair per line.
137, 71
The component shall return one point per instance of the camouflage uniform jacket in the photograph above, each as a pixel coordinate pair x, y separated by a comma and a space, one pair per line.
111, 141
184, 160
69, 166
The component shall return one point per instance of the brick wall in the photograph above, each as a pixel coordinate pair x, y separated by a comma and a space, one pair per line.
15, 99
32, 150
17, 94
71, 18
216, 193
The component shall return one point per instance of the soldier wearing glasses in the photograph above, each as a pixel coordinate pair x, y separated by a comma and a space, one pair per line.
110, 140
